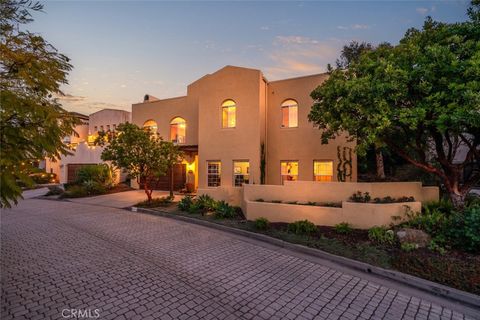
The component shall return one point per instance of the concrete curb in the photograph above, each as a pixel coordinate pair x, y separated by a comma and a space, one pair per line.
434, 288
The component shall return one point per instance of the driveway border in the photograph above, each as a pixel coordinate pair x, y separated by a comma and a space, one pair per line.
456, 295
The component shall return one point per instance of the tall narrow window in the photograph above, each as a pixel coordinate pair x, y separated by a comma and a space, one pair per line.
289, 170
323, 171
229, 117
95, 129
241, 173
108, 127
213, 173
178, 128
151, 126
290, 114
101, 128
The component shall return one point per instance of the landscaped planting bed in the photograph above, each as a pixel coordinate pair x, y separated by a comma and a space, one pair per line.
442, 261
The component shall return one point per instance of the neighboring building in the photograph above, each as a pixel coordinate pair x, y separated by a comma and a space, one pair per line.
83, 150
225, 118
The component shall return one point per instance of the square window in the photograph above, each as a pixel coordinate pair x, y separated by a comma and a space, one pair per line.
323, 170
213, 173
241, 173
289, 170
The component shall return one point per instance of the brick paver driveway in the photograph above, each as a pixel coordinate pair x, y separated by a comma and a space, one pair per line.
59, 256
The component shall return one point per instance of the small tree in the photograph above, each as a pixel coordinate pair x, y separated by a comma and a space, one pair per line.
32, 122
171, 155
139, 152
420, 98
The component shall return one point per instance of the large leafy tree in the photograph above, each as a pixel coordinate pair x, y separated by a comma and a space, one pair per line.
350, 54
32, 122
141, 153
421, 98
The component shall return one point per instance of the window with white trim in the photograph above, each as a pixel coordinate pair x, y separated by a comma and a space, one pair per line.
214, 171
290, 114
241, 173
229, 116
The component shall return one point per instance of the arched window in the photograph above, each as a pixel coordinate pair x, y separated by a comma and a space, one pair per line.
151, 125
229, 118
289, 114
178, 128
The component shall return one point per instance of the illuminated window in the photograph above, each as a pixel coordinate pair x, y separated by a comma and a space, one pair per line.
213, 173
151, 126
289, 170
290, 114
323, 170
241, 173
177, 130
229, 114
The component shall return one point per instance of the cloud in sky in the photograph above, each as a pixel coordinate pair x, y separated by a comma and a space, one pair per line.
85, 105
357, 26
422, 11
297, 55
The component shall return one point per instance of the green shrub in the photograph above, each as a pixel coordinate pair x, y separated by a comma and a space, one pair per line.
303, 227
359, 197
433, 246
292, 202
93, 187
155, 202
262, 223
54, 190
343, 228
381, 235
310, 203
185, 203
472, 200
75, 191
260, 200
100, 173
206, 203
195, 207
464, 229
442, 206
407, 246
224, 211
276, 201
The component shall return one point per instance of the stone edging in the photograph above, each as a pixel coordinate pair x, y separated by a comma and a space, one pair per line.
419, 283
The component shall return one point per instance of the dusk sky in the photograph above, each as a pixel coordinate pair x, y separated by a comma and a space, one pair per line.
122, 50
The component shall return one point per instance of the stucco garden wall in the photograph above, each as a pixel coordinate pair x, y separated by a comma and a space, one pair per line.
359, 215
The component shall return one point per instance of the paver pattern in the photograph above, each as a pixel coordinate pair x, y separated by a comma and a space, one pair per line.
57, 256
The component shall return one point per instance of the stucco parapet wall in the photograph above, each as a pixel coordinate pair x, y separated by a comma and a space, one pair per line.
339, 191
358, 215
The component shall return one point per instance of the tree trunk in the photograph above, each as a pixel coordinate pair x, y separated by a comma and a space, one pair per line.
457, 196
379, 164
171, 182
148, 192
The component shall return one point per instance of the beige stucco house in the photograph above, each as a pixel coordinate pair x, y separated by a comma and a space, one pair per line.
225, 118
81, 144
